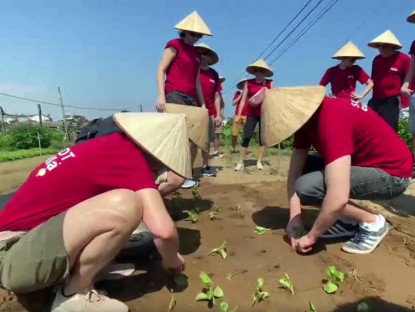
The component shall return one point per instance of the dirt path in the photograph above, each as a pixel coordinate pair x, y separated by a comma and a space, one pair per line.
383, 279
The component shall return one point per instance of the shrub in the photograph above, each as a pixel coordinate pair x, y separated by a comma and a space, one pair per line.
5, 142
403, 131
27, 136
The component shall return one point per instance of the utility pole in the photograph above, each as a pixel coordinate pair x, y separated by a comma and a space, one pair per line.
141, 108
39, 110
3, 125
65, 125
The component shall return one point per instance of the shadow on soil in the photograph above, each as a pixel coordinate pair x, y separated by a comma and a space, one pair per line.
375, 304
403, 205
176, 206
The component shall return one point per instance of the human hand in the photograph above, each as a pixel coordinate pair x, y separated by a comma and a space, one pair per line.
174, 266
161, 104
406, 91
305, 244
295, 229
355, 96
218, 121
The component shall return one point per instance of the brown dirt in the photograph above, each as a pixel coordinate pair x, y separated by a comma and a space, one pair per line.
383, 279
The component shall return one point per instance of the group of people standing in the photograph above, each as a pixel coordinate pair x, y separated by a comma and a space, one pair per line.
77, 210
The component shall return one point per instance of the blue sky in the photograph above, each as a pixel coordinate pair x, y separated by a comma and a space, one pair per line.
105, 54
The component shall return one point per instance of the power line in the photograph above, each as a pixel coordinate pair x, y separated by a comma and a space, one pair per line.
304, 31
55, 104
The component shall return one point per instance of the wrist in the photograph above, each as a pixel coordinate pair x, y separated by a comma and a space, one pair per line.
312, 237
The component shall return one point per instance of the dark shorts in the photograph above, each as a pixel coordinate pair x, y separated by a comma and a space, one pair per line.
36, 260
180, 98
387, 109
250, 125
366, 183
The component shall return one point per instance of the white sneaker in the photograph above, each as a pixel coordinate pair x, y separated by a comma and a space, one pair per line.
189, 184
259, 165
90, 301
239, 166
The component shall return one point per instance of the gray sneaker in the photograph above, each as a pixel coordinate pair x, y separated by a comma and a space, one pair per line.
365, 240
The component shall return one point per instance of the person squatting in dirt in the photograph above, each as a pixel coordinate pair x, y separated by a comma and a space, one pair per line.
359, 157
76, 211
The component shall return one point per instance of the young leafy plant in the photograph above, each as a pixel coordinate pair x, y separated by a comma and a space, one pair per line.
192, 215
195, 193
336, 277
222, 250
259, 294
261, 230
177, 195
172, 304
214, 213
210, 293
224, 307
311, 307
286, 283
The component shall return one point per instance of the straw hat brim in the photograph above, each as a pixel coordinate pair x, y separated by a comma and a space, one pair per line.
344, 57
240, 84
251, 69
197, 122
213, 56
285, 110
375, 45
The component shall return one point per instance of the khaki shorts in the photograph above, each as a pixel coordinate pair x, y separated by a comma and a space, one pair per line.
35, 260
238, 126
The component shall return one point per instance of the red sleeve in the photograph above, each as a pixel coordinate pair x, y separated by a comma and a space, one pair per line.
175, 44
132, 173
218, 86
326, 78
407, 64
300, 139
412, 49
362, 77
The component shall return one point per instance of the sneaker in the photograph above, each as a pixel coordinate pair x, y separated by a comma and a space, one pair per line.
367, 238
218, 155
341, 229
208, 172
91, 301
239, 166
259, 165
189, 184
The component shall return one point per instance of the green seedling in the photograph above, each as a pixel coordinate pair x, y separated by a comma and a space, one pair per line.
177, 195
192, 215
261, 230
286, 283
172, 303
363, 307
259, 294
214, 214
311, 307
195, 193
224, 307
181, 280
210, 293
336, 277
300, 232
222, 250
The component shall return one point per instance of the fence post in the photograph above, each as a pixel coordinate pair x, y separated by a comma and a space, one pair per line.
65, 125
39, 110
3, 125
141, 108
40, 145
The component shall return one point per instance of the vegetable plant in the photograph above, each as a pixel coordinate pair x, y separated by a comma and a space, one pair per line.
287, 284
177, 195
224, 307
259, 294
336, 277
210, 293
261, 230
363, 307
195, 193
214, 213
172, 303
311, 308
192, 215
222, 250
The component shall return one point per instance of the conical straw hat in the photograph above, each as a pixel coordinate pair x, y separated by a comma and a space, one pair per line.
197, 120
193, 22
286, 110
164, 136
386, 38
411, 18
349, 50
213, 56
260, 64
240, 84
222, 79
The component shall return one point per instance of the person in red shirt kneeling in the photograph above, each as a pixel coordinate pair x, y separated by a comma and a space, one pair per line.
389, 70
344, 76
77, 210
361, 158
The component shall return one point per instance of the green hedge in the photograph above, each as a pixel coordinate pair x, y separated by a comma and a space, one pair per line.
15, 155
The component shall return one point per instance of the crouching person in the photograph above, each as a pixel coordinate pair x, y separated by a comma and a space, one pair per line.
361, 158
77, 210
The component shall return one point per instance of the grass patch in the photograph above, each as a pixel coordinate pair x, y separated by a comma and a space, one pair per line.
22, 154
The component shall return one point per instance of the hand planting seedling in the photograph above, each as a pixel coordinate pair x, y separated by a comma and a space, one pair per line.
336, 277
300, 232
181, 281
224, 307
363, 307
222, 250
311, 308
261, 230
214, 213
192, 215
286, 283
259, 294
209, 293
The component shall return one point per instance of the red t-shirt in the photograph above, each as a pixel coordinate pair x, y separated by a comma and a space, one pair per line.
343, 81
344, 127
182, 74
74, 175
244, 109
209, 80
254, 87
388, 74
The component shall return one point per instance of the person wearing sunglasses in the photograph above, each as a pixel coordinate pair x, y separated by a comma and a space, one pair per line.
254, 92
344, 76
389, 70
178, 73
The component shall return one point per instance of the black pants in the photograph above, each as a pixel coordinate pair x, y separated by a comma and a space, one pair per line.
176, 97
251, 122
387, 109
366, 183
